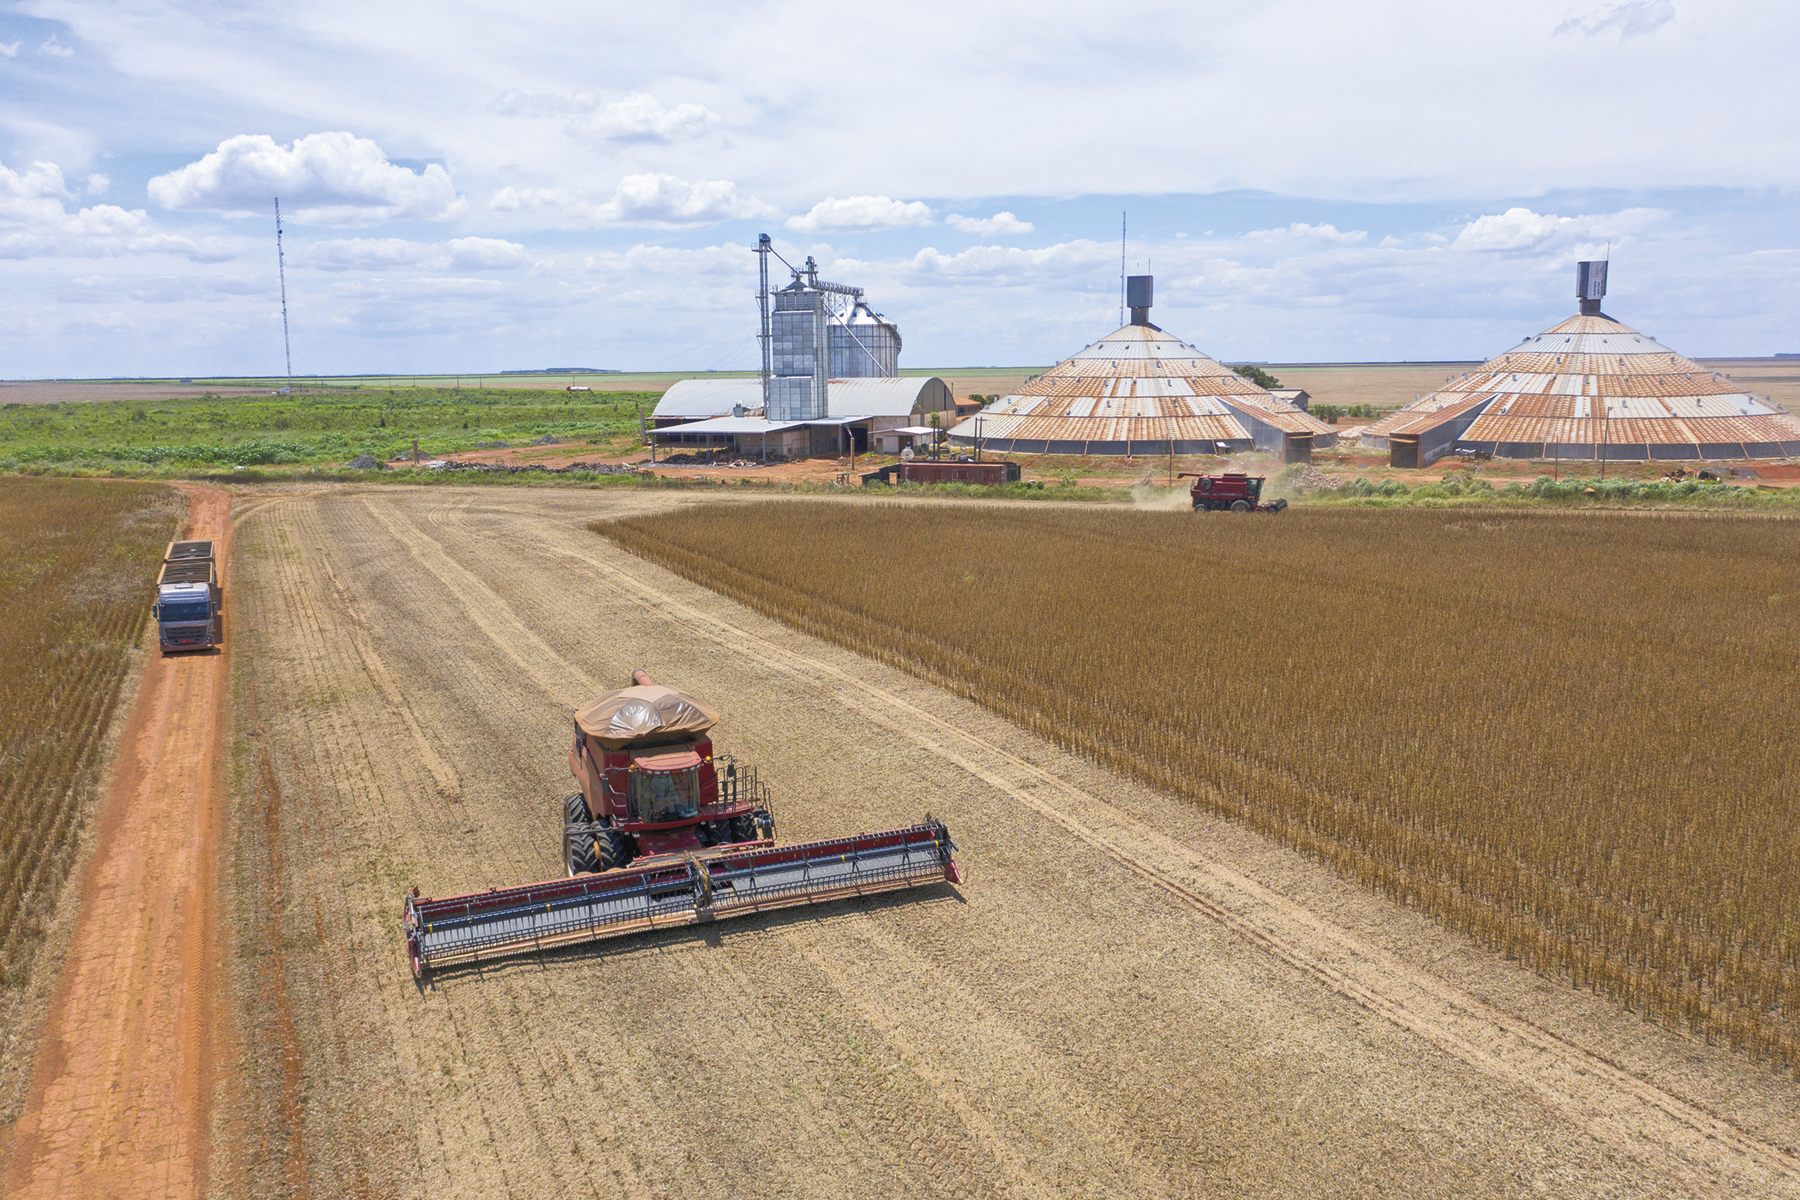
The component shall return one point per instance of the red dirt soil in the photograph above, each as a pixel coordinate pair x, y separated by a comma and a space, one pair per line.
120, 1099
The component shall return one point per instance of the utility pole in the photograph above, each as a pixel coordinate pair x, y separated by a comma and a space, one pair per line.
281, 266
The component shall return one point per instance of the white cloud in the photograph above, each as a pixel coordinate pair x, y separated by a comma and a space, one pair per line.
55, 48
998, 225
1635, 18
637, 117
1007, 266
97, 184
35, 223
9, 49
1300, 231
860, 212
671, 262
643, 118
378, 254
654, 199
1523, 229
322, 178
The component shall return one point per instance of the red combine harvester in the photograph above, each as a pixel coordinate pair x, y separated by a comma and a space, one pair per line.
656, 837
1231, 492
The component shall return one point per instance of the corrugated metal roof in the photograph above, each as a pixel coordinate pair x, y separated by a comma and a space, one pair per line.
1139, 383
895, 397
708, 397
1592, 379
734, 425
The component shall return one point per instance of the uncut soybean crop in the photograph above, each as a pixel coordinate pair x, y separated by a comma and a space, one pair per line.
1568, 736
78, 562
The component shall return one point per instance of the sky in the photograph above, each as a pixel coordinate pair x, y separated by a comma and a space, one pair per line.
469, 187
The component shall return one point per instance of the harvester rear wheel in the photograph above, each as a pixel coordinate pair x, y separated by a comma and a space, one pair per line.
578, 850
611, 850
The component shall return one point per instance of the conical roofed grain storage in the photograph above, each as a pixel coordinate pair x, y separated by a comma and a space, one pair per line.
1588, 388
1140, 391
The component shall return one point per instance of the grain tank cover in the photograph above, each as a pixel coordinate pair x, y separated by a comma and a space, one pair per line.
644, 714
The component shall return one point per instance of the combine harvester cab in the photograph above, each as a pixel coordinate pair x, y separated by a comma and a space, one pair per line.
656, 837
1231, 492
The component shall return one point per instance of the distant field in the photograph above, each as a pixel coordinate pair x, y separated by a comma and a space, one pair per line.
77, 561
327, 427
1581, 752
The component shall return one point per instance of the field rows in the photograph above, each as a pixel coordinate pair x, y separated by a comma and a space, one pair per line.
1569, 739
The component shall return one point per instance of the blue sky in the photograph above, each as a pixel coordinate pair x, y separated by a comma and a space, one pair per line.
471, 188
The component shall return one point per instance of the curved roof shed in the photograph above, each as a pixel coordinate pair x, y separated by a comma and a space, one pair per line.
698, 399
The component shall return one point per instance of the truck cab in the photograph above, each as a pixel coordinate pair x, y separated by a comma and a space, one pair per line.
186, 616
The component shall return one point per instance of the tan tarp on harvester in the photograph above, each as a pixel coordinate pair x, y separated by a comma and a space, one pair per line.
638, 714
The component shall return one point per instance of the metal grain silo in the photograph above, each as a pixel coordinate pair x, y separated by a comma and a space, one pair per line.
864, 345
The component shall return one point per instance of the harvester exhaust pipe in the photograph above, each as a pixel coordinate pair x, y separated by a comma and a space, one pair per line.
641, 678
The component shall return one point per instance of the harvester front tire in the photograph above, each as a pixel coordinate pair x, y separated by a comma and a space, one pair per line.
575, 809
1240, 506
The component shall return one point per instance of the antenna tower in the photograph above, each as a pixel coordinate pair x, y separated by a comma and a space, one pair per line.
281, 266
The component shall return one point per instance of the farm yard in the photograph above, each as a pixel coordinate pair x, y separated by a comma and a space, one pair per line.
1129, 994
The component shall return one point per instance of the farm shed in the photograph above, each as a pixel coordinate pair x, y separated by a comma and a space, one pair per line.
1592, 388
1139, 390
720, 414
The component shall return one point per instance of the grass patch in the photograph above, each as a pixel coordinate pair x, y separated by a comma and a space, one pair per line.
324, 427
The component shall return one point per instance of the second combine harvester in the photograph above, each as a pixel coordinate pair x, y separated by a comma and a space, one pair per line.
658, 837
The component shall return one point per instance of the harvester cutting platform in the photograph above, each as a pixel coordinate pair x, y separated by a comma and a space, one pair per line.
657, 837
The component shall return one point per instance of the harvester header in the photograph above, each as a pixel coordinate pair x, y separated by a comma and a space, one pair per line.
664, 832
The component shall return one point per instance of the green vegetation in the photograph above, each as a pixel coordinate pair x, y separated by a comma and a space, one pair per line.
1331, 412
1462, 486
1258, 376
325, 427
1583, 756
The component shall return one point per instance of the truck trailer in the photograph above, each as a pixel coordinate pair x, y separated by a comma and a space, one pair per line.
189, 602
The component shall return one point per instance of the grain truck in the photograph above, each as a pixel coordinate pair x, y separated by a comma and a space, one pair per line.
189, 603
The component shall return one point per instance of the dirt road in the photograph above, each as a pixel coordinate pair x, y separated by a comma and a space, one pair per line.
1126, 997
120, 1100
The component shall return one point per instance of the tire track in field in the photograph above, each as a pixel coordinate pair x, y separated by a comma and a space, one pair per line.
463, 1140
497, 619
488, 1118
1614, 1106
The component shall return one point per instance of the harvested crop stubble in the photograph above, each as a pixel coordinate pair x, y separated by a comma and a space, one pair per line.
1567, 736
77, 561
